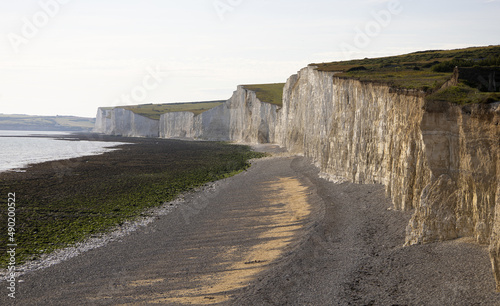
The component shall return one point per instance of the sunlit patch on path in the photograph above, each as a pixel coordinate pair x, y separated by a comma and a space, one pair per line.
278, 222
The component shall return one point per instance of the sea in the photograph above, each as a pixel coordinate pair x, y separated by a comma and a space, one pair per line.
18, 149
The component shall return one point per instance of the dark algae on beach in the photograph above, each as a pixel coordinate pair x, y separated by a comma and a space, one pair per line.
63, 202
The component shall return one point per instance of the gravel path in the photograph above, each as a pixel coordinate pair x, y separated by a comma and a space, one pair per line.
276, 234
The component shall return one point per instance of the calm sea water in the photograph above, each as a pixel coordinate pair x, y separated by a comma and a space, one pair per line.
17, 152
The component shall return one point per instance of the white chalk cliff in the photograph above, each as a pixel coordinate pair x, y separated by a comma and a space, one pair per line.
242, 118
440, 160
122, 122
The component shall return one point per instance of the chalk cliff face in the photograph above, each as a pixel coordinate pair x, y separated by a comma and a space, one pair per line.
177, 125
122, 122
103, 121
462, 150
357, 132
243, 118
441, 160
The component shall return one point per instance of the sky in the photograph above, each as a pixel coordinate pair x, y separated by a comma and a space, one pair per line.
69, 57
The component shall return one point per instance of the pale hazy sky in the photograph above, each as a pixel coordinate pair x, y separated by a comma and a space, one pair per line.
68, 57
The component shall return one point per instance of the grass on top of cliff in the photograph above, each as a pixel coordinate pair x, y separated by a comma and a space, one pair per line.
428, 71
154, 111
269, 93
63, 202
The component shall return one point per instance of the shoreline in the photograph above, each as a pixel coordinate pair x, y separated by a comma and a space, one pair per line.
129, 226
79, 145
230, 235
350, 250
93, 193
113, 234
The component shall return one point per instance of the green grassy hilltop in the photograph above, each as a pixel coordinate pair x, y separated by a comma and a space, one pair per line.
154, 111
428, 71
269, 93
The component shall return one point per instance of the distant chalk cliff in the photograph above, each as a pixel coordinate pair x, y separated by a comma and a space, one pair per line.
122, 122
242, 118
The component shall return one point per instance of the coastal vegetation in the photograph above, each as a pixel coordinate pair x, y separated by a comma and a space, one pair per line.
269, 93
428, 71
63, 202
154, 111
